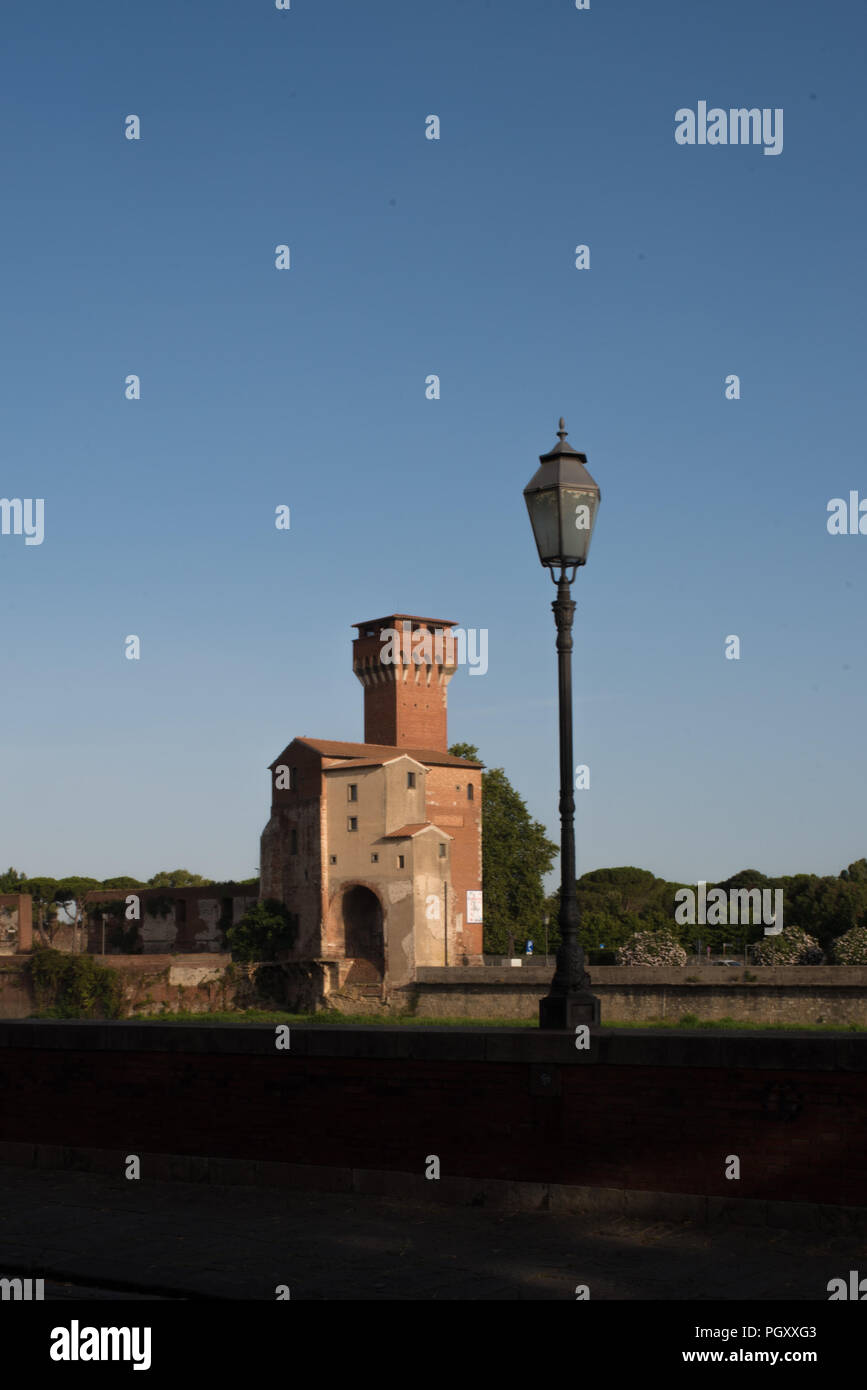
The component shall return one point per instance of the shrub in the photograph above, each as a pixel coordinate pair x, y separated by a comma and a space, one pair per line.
792, 947
651, 948
74, 986
265, 929
851, 948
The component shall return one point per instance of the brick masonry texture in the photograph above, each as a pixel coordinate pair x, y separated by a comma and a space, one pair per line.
650, 1112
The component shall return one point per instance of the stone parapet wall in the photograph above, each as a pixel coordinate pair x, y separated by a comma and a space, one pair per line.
653, 1112
807, 994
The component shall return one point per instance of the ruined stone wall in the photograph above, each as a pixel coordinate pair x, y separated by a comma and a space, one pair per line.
295, 876
16, 918
199, 983
171, 919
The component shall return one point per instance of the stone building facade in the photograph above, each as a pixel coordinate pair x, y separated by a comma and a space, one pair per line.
376, 847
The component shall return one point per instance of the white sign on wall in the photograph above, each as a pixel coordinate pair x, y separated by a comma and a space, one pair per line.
474, 905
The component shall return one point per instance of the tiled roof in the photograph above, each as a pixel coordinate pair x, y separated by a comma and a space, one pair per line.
407, 831
383, 753
407, 617
331, 763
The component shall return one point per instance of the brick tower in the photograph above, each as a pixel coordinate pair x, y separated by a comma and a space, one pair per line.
405, 664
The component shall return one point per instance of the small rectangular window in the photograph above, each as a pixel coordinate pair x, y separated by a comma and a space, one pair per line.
374, 859
410, 779
332, 858
352, 791
442, 851
401, 861
471, 791
352, 822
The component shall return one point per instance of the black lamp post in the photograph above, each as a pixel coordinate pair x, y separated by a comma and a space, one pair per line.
563, 500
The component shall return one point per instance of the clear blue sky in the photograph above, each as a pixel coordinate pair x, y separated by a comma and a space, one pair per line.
307, 387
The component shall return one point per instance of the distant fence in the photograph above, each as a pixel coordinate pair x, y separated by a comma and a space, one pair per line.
534, 959
739, 956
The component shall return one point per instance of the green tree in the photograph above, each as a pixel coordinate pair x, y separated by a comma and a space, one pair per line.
856, 873
826, 907
67, 986
11, 881
516, 853
177, 878
746, 878
265, 930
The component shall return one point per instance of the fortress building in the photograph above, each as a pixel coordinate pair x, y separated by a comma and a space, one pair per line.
376, 847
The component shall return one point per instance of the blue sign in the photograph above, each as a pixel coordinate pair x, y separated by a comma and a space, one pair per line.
529, 948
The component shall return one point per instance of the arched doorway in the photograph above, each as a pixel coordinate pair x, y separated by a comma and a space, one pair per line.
362, 935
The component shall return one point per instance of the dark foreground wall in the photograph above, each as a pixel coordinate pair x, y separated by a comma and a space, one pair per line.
648, 1111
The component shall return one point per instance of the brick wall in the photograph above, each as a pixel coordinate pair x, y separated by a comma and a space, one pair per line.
448, 806
16, 923
405, 705
152, 983
654, 1112
171, 919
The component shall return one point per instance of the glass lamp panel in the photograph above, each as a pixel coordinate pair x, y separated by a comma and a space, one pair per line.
545, 519
578, 507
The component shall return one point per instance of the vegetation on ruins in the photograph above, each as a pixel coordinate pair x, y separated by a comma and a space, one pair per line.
266, 929
73, 986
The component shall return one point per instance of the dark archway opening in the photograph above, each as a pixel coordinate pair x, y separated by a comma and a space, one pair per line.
362, 934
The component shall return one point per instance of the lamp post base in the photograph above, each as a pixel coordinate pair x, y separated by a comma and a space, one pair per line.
564, 1012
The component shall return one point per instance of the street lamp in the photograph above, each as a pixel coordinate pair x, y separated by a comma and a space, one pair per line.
563, 500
